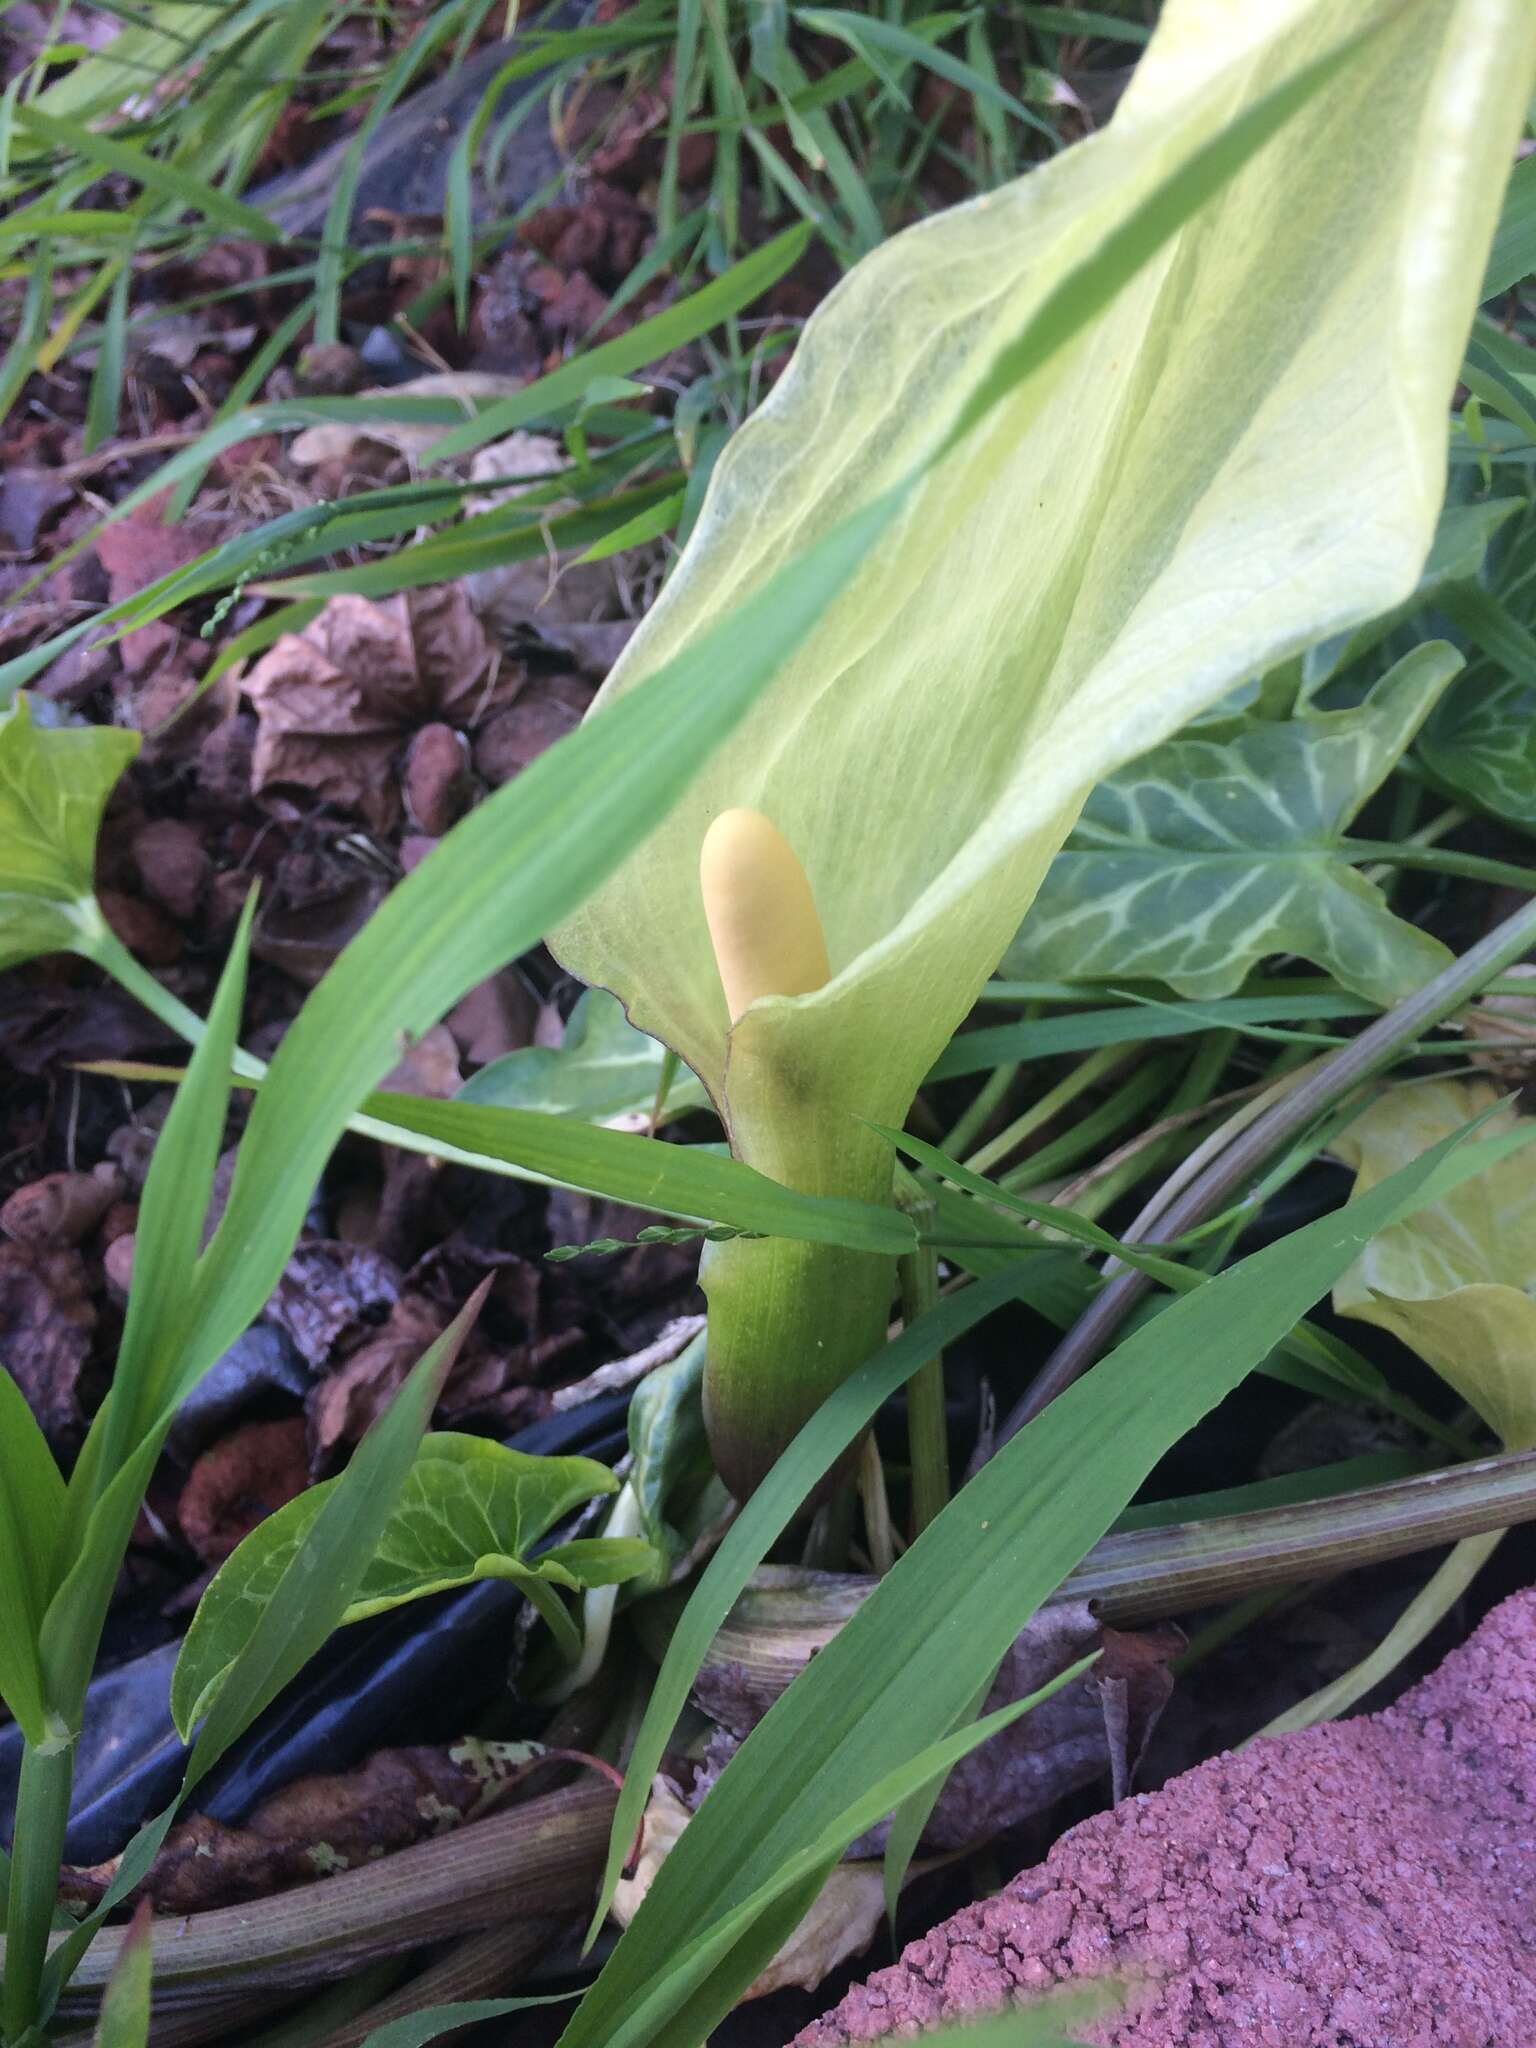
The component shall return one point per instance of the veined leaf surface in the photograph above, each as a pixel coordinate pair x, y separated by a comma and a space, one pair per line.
1206, 856
470, 1508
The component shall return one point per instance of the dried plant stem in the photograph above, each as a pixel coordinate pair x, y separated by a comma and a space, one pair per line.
539, 1858
1145, 1575
484, 1966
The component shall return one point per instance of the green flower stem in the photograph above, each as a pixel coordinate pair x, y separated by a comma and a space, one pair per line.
927, 1426
42, 1814
788, 1321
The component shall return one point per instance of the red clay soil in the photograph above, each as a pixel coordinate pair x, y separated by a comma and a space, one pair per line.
1369, 1884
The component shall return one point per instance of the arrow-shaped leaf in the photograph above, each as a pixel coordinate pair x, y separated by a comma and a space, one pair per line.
1205, 856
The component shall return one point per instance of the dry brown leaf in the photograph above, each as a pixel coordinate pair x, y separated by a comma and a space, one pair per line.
319, 1825
337, 703
524, 457
47, 1321
842, 1923
141, 549
238, 1482
338, 441
327, 1290
1494, 1021
343, 1404
61, 1208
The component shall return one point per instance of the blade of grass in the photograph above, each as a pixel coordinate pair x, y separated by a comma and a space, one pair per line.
31, 328
106, 397
867, 35
31, 1501
644, 343
647, 1173
165, 180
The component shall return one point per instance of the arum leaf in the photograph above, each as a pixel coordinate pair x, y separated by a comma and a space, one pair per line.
604, 1072
1513, 255
1482, 738
1170, 505
54, 785
1453, 1280
1204, 857
1458, 553
470, 1509
1483, 743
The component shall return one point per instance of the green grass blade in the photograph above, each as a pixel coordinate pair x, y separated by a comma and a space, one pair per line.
31, 1504
1047, 1214
124, 2017
31, 332
671, 2011
1036, 1038
763, 1519
105, 401
166, 180
646, 1173
644, 343
868, 36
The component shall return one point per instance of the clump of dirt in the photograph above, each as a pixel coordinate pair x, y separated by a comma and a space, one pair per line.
1366, 1884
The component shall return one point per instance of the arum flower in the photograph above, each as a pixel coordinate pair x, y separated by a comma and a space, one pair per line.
1242, 453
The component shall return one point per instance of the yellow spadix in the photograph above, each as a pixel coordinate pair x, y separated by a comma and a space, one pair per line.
763, 922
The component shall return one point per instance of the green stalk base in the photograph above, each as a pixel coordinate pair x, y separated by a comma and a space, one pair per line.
788, 1322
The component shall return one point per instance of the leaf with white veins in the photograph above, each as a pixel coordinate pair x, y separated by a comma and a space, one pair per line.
471, 1509
604, 1072
1205, 856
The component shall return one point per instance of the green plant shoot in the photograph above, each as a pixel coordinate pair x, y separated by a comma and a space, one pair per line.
1228, 449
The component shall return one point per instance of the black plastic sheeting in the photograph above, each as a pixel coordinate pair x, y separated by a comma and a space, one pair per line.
449, 1654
